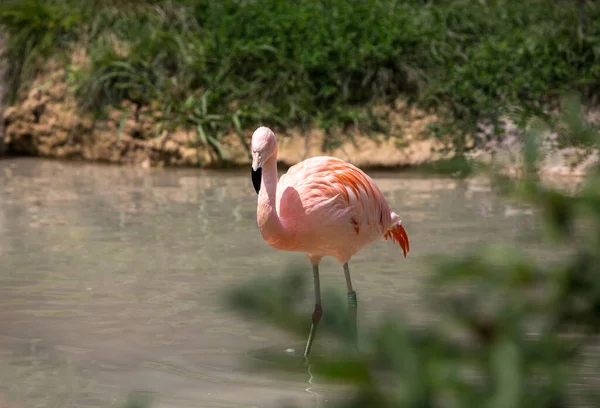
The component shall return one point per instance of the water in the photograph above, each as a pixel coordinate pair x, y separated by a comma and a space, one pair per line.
110, 279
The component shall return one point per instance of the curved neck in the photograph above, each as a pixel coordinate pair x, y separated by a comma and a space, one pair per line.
267, 217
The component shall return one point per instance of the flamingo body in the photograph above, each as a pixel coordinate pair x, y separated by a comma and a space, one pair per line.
329, 207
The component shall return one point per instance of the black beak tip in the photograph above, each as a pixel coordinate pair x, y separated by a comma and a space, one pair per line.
256, 178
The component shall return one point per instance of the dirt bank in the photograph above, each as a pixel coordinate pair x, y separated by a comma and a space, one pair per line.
46, 122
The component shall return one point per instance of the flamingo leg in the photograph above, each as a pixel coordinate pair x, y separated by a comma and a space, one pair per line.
352, 301
318, 312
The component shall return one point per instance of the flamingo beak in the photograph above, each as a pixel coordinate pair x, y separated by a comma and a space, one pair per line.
257, 163
256, 178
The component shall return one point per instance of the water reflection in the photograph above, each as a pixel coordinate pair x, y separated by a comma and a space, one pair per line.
110, 279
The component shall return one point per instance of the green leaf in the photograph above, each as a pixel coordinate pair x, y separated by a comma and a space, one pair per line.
507, 375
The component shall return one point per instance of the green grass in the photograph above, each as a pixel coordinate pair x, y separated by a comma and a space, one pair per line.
37, 30
218, 65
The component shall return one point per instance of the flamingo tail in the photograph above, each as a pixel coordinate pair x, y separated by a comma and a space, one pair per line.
398, 235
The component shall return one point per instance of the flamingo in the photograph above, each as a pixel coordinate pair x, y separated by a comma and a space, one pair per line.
322, 206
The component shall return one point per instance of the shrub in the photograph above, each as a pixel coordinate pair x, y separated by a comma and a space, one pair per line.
323, 63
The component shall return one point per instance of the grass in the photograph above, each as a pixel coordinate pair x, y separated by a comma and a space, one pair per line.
36, 31
218, 66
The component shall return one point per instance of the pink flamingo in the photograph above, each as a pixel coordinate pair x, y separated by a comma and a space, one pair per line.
321, 206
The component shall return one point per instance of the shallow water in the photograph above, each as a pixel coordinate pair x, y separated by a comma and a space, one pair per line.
110, 279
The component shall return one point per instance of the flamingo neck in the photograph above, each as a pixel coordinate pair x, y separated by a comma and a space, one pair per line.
268, 220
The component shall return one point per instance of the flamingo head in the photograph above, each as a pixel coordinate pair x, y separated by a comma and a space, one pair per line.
264, 144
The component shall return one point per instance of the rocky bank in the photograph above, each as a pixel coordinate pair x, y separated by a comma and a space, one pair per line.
46, 122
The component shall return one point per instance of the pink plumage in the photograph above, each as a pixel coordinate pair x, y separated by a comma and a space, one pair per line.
322, 206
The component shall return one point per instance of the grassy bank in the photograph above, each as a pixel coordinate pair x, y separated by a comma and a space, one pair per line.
218, 66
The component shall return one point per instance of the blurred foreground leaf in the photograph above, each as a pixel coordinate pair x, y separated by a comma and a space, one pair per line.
509, 331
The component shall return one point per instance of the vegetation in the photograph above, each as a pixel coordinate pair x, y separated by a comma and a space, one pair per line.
231, 64
510, 331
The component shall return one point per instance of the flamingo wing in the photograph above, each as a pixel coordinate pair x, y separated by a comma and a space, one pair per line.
332, 190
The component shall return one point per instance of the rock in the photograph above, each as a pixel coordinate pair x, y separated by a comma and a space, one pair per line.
189, 156
171, 147
182, 137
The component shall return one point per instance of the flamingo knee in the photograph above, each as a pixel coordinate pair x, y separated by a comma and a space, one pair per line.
317, 314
